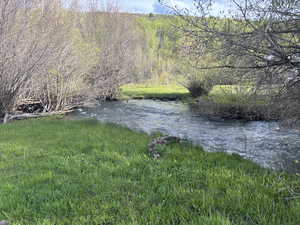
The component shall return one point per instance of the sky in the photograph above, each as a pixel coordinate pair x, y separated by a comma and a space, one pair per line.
152, 6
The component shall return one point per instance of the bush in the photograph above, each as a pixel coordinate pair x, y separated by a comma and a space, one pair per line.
198, 87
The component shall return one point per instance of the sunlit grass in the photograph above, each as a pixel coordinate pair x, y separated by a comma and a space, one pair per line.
145, 91
237, 94
234, 89
83, 172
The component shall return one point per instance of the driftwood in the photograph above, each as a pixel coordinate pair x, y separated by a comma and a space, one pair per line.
29, 105
153, 146
8, 117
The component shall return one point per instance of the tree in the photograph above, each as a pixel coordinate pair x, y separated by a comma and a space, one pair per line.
29, 36
114, 37
260, 38
63, 81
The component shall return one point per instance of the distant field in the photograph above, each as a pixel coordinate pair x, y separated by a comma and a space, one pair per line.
145, 91
154, 91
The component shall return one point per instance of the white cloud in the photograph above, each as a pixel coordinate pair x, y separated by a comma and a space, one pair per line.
221, 7
147, 6
139, 6
179, 4
218, 7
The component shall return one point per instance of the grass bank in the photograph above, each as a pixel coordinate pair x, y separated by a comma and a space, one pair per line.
161, 92
82, 172
238, 102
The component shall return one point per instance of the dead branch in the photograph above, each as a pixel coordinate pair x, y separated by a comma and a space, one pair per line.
9, 118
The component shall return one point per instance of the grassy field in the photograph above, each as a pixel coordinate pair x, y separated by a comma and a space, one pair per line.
225, 94
82, 172
147, 91
141, 91
238, 102
236, 96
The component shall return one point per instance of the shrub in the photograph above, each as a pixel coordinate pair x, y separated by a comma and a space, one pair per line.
198, 87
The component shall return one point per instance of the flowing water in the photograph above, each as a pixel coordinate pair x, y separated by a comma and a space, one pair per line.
262, 142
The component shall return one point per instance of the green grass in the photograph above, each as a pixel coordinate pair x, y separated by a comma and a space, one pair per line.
144, 91
83, 172
235, 89
239, 102
236, 95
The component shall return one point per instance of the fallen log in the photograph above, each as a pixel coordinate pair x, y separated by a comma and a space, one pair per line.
23, 116
153, 146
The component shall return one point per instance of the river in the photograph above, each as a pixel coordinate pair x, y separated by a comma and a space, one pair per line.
263, 142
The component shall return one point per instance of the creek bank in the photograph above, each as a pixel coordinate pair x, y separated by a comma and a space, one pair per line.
155, 98
205, 106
